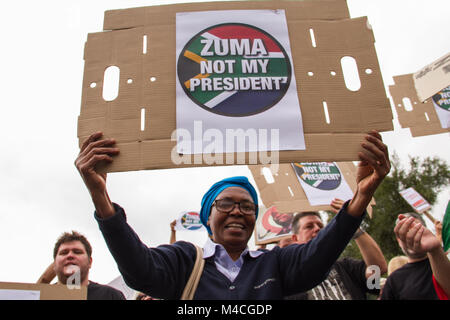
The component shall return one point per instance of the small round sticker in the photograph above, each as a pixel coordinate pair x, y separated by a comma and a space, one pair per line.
442, 99
191, 221
234, 69
319, 175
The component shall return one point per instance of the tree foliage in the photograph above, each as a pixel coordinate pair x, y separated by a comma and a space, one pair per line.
428, 177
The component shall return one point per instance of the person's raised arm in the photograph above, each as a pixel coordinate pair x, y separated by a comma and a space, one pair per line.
370, 251
173, 232
416, 237
94, 151
48, 275
373, 167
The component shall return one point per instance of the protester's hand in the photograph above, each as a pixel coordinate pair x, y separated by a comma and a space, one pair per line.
414, 236
374, 164
93, 151
336, 205
172, 225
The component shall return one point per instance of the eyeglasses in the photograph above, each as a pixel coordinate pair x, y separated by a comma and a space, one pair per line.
227, 205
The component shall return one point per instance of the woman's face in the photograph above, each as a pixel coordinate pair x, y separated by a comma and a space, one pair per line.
234, 228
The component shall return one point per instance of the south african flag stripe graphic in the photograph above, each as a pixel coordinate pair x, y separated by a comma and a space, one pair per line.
234, 70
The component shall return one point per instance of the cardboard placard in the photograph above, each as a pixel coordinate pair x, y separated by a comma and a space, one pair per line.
141, 43
415, 200
286, 192
420, 117
46, 291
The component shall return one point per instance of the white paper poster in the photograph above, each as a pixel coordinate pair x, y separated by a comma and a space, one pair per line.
322, 182
236, 89
119, 284
441, 102
415, 200
189, 221
15, 294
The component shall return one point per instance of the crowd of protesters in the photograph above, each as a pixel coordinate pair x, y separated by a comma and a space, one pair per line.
305, 266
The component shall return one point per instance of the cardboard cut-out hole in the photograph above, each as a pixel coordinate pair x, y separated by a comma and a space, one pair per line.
93, 85
142, 119
368, 71
144, 44
111, 83
325, 111
426, 116
350, 72
407, 104
313, 38
290, 191
333, 73
152, 79
310, 73
130, 81
267, 175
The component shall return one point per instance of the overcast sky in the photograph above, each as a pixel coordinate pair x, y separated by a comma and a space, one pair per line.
41, 192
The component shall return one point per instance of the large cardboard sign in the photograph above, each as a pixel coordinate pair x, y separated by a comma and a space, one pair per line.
234, 72
32, 291
140, 43
283, 190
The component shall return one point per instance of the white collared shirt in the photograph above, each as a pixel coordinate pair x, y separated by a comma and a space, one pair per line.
223, 261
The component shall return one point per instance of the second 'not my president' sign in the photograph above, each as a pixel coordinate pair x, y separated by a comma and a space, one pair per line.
234, 74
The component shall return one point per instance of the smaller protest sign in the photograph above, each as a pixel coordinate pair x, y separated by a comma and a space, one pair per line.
441, 102
188, 221
415, 200
273, 225
322, 182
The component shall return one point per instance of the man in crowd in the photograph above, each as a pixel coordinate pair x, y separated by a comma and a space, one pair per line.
348, 278
72, 256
